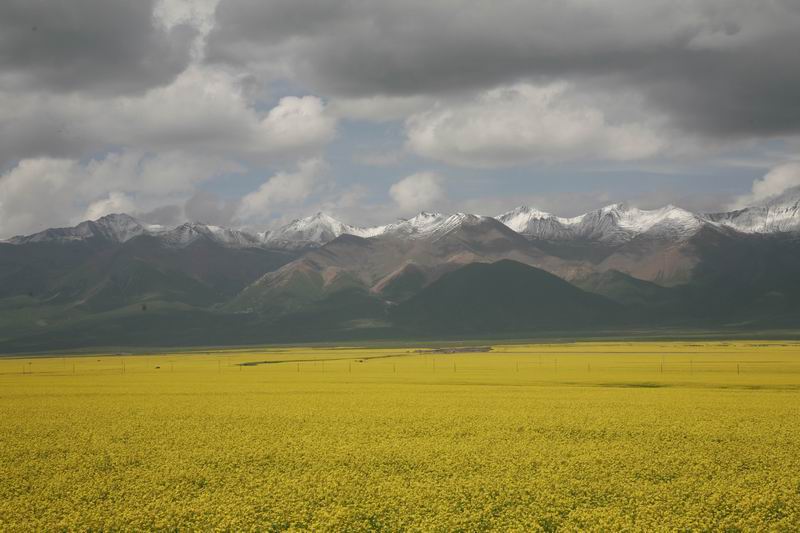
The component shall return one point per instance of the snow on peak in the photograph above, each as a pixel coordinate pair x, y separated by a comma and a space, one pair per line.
539, 224
428, 225
117, 227
522, 218
453, 222
314, 230
120, 228
419, 224
613, 223
423, 222
189, 232
641, 220
619, 223
780, 213
788, 198
614, 209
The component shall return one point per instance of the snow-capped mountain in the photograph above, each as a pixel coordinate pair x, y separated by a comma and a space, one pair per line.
619, 222
417, 226
315, 230
115, 228
538, 224
429, 225
120, 228
322, 228
189, 232
616, 223
777, 214
667, 264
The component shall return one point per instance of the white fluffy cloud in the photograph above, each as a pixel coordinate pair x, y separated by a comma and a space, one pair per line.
417, 191
43, 192
523, 123
204, 110
115, 202
284, 188
174, 137
774, 182
161, 119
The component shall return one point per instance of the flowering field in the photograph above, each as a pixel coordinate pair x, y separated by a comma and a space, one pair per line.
604, 436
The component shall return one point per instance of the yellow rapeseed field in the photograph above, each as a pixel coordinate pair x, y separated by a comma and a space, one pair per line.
587, 436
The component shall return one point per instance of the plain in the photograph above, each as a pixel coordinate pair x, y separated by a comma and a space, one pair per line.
573, 436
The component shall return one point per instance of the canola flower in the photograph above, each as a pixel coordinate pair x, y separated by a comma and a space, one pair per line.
588, 436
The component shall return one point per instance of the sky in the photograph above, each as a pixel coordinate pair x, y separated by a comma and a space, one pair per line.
249, 113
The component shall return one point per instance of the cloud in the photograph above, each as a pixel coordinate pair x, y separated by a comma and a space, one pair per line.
107, 106
46, 192
164, 215
115, 202
296, 122
97, 46
209, 208
203, 110
135, 104
417, 191
773, 183
379, 108
284, 188
722, 68
524, 123
35, 195
196, 13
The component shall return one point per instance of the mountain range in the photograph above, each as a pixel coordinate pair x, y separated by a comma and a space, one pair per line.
614, 224
119, 281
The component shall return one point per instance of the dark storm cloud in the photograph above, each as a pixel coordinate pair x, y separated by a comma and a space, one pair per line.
106, 46
750, 91
723, 68
38, 134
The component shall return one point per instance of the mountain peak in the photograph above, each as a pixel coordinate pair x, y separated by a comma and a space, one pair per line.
539, 224
789, 197
780, 213
667, 220
524, 219
319, 217
116, 218
322, 217
502, 295
428, 225
619, 207
314, 230
420, 224
614, 223
425, 215
611, 224
530, 211
119, 227
115, 227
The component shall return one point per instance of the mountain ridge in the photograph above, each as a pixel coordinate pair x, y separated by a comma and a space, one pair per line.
504, 296
612, 224
319, 278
